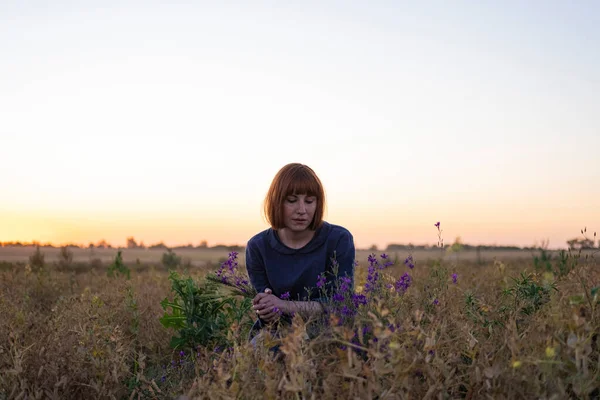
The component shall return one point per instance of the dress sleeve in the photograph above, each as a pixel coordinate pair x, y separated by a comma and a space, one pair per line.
255, 267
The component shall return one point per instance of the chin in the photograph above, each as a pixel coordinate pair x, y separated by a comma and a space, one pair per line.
293, 229
298, 228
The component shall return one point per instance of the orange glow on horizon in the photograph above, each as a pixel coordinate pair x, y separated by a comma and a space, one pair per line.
371, 227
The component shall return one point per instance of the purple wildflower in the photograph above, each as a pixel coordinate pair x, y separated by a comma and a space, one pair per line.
285, 296
454, 278
359, 299
409, 262
338, 297
321, 281
230, 275
372, 278
346, 282
372, 259
437, 224
347, 312
403, 283
276, 310
388, 262
436, 301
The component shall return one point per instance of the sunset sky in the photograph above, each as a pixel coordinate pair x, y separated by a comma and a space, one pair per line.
167, 122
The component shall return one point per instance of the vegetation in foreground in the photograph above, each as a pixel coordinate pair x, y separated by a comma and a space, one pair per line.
409, 330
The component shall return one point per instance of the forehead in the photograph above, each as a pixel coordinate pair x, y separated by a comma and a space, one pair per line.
305, 186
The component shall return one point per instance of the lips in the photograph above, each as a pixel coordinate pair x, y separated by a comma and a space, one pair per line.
300, 221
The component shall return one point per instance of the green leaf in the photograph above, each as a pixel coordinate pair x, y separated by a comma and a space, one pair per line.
577, 299
166, 303
177, 342
176, 320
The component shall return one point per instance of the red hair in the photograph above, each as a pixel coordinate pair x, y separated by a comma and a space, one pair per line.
293, 179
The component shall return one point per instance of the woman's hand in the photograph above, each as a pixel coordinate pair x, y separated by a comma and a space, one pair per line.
268, 306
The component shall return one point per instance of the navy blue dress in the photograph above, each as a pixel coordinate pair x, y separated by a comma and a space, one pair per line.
271, 264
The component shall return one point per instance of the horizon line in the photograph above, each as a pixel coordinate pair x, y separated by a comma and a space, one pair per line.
103, 244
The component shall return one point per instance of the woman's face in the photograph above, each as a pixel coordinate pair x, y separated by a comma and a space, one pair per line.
298, 211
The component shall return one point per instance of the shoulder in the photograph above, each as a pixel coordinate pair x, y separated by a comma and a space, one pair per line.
258, 240
339, 232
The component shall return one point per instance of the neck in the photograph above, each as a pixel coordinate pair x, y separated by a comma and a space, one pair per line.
295, 240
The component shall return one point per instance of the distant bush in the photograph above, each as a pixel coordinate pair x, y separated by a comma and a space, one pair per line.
171, 260
160, 245
65, 258
36, 260
118, 268
96, 263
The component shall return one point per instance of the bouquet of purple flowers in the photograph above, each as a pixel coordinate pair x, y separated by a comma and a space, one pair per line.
230, 275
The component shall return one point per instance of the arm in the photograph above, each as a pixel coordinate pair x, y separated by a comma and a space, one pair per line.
255, 267
269, 307
307, 307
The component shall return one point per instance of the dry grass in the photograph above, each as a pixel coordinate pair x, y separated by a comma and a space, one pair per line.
203, 257
68, 335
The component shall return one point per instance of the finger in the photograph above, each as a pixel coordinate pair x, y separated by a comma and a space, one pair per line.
270, 316
268, 310
268, 298
268, 291
265, 310
263, 306
258, 297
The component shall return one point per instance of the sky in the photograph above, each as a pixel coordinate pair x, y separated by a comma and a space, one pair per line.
167, 121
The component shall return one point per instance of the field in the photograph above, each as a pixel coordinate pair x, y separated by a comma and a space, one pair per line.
204, 257
505, 326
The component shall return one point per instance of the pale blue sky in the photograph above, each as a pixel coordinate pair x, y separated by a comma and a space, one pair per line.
169, 121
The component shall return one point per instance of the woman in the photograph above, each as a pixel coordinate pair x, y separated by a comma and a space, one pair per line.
293, 263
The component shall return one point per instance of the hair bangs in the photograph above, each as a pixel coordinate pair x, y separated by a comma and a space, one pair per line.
303, 183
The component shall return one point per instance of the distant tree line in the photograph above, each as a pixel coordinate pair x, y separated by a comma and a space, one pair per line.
397, 247
131, 243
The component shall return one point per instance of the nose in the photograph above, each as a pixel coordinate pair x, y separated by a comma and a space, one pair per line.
301, 207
